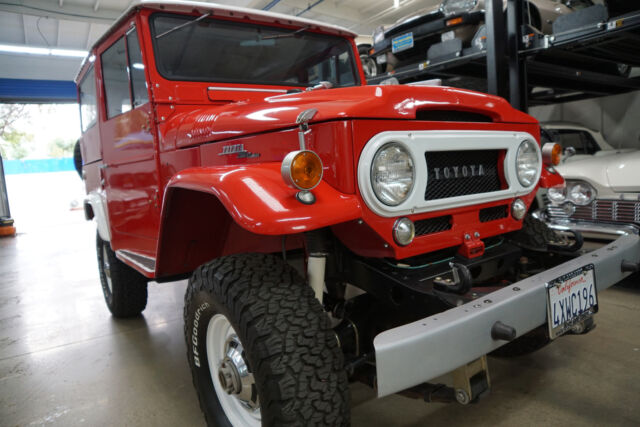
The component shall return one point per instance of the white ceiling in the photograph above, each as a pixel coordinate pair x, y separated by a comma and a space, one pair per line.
77, 24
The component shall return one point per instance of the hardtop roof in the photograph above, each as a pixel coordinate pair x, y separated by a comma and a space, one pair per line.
218, 10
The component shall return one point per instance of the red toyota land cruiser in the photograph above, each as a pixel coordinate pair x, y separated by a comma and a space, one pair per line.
331, 231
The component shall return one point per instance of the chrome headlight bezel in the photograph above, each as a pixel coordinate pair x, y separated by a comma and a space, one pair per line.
573, 193
528, 176
386, 196
561, 195
557, 195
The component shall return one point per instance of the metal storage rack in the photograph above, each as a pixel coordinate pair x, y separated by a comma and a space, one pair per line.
578, 61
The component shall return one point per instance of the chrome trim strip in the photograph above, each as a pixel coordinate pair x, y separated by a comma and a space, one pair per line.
417, 143
420, 351
246, 89
611, 230
146, 263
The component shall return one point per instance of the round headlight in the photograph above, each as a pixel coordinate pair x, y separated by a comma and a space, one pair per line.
580, 193
392, 174
557, 195
527, 162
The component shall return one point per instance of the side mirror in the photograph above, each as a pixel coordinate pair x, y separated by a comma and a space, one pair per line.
568, 152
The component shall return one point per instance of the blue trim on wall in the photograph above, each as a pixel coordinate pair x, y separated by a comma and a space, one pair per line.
33, 91
14, 167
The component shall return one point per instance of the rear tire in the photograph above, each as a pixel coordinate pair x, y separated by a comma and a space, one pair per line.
124, 289
291, 365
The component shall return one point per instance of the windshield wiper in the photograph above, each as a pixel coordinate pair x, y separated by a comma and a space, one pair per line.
282, 36
186, 24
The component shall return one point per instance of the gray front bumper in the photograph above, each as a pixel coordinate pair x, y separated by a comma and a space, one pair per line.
420, 351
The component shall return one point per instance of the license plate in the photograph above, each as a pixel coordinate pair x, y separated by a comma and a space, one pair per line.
449, 35
571, 298
403, 42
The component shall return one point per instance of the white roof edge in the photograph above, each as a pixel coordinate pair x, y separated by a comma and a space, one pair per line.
219, 10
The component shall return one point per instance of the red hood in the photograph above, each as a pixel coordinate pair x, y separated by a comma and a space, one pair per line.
213, 123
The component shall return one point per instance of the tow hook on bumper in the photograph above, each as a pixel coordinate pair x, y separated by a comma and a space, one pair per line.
420, 351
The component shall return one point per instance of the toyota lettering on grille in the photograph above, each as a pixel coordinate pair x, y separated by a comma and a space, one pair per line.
452, 172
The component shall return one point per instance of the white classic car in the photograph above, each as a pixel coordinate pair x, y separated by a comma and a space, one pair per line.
601, 198
578, 142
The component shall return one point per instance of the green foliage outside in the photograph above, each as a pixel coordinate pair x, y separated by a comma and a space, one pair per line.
61, 148
14, 144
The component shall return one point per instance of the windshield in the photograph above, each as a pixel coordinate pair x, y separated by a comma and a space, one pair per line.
223, 51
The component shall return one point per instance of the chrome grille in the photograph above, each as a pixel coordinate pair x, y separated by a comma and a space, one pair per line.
615, 211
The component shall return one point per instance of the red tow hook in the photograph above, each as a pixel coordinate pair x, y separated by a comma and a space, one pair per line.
472, 246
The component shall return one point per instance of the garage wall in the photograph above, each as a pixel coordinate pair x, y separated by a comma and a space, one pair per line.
617, 117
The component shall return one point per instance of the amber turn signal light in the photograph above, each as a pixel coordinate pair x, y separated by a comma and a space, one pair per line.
551, 153
302, 169
454, 21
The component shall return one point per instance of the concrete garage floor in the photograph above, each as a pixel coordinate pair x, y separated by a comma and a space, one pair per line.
64, 360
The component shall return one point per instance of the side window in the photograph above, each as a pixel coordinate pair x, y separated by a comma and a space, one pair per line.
571, 138
590, 144
345, 70
116, 79
88, 100
138, 82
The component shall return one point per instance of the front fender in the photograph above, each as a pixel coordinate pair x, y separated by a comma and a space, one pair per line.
258, 200
550, 178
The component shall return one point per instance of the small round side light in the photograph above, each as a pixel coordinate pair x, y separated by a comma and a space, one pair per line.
404, 231
302, 169
551, 153
518, 209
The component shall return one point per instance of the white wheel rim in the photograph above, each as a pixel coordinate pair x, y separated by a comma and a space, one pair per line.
219, 334
107, 268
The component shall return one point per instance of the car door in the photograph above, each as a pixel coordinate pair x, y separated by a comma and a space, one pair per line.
128, 148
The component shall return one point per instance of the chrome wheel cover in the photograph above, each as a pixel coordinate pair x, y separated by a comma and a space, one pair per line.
233, 382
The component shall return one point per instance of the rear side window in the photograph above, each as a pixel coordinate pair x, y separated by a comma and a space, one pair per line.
582, 141
138, 83
88, 100
116, 79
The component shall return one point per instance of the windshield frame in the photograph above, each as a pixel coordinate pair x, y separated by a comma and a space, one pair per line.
152, 30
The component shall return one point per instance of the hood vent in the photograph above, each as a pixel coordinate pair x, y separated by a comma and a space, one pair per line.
452, 116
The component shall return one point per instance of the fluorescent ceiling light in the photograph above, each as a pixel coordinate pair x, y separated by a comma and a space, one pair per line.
8, 48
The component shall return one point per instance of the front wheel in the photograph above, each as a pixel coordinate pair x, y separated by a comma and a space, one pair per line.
124, 289
260, 348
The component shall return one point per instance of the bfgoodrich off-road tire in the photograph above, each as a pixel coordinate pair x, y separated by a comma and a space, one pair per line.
124, 289
287, 344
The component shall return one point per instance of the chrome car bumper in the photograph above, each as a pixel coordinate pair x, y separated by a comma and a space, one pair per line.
420, 351
593, 230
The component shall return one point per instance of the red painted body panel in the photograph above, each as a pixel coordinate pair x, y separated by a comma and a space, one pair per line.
252, 116
172, 195
267, 205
